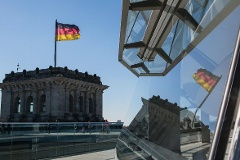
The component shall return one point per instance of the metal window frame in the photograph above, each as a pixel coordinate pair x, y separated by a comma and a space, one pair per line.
170, 63
228, 107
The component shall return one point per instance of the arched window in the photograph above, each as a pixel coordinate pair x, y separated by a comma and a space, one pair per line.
42, 104
91, 105
70, 103
80, 104
17, 105
29, 107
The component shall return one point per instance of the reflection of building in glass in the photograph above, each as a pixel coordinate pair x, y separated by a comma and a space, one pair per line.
164, 123
158, 121
156, 35
51, 94
159, 128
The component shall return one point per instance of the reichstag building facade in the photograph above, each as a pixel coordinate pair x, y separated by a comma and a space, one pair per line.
52, 94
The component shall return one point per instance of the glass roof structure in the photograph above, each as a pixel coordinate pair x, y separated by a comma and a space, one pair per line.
157, 34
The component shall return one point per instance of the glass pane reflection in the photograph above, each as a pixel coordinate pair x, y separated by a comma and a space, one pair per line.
174, 117
137, 25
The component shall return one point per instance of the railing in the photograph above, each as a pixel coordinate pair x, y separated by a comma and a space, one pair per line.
47, 140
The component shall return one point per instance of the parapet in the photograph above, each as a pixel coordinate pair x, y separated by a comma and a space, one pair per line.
51, 72
173, 107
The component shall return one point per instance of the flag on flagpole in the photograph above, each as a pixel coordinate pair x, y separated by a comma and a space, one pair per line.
206, 79
66, 32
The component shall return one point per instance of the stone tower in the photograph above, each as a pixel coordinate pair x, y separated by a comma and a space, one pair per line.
53, 94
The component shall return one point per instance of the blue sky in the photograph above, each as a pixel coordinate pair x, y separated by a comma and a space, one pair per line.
27, 37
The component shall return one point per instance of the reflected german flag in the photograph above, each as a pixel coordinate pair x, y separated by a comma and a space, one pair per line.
206, 79
66, 32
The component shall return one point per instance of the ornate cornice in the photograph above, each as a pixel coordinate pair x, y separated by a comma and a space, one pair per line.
42, 83
156, 100
52, 72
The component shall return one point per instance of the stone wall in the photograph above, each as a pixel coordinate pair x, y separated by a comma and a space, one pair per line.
164, 123
22, 96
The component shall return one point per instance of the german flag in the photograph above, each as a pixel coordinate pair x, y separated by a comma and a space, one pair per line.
206, 79
66, 32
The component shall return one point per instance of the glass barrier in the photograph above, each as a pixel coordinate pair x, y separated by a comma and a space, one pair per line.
46, 140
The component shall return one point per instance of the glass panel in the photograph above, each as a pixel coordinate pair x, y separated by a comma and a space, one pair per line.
132, 15
180, 37
177, 113
166, 46
46, 140
5, 141
205, 10
23, 138
183, 36
130, 56
139, 70
156, 66
139, 20
198, 8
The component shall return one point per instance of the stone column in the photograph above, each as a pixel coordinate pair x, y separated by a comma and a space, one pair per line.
35, 102
94, 104
23, 99
81, 103
48, 94
75, 102
67, 107
58, 107
86, 102
5, 104
99, 103
11, 102
78, 94
11, 106
90, 103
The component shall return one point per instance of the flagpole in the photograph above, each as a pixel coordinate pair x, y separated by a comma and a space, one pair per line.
55, 48
194, 117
